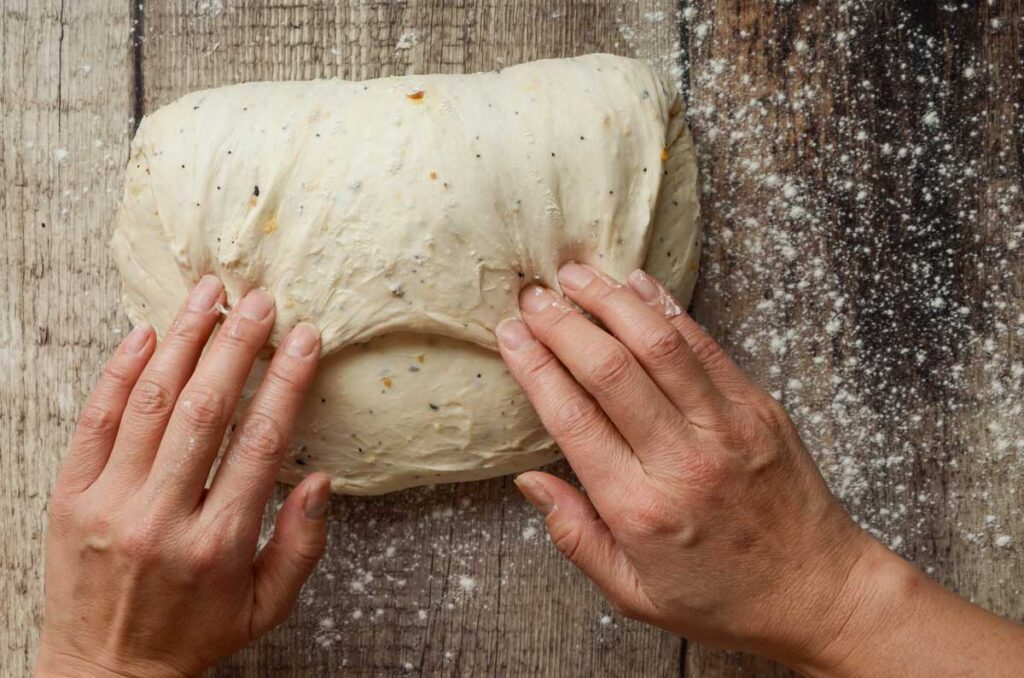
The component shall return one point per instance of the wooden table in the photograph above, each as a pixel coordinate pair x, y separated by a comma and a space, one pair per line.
864, 207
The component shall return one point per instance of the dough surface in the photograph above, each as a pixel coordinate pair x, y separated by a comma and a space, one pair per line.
402, 216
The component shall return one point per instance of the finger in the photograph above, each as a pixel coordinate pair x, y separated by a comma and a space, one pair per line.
101, 417
604, 368
245, 477
725, 374
580, 534
653, 340
594, 448
292, 553
152, 399
207, 403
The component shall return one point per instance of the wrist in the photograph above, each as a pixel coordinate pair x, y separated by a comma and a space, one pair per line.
880, 592
52, 662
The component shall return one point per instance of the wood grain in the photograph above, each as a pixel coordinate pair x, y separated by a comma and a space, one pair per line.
863, 201
862, 195
63, 140
459, 580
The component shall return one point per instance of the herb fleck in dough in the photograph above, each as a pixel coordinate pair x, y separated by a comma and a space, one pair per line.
402, 216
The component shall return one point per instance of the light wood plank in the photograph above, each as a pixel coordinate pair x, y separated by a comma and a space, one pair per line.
63, 140
887, 311
463, 581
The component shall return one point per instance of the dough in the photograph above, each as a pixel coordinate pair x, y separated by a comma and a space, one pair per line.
402, 216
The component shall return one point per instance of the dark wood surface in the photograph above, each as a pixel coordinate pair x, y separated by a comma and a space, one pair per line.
864, 207
865, 260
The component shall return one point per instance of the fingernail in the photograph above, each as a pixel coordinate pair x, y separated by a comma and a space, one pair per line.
513, 334
137, 338
205, 294
302, 340
535, 299
644, 285
316, 501
535, 494
574, 276
257, 305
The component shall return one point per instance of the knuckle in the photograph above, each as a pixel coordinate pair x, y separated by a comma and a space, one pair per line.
203, 407
98, 421
152, 398
295, 380
553, 320
572, 415
190, 327
648, 519
661, 345
242, 333
261, 437
540, 366
771, 414
568, 539
205, 557
304, 557
608, 367
708, 352
708, 472
140, 543
117, 374
600, 291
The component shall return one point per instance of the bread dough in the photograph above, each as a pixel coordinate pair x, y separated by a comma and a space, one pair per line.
402, 216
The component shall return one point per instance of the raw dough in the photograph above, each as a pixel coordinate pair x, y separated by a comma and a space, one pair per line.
402, 216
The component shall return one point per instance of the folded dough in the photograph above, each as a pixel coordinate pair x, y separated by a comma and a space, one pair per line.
402, 216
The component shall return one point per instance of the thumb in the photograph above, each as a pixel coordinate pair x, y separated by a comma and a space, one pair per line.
291, 555
578, 531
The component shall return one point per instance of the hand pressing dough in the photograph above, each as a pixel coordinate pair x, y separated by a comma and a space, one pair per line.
402, 216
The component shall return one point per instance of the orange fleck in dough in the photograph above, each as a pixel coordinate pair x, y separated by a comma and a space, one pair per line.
415, 96
433, 175
388, 383
270, 226
664, 154
421, 358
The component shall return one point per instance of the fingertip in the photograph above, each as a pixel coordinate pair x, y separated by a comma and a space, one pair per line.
654, 294
534, 488
138, 339
303, 340
513, 334
317, 496
534, 299
205, 295
644, 285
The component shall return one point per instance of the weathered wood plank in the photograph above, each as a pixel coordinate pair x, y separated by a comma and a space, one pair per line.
63, 140
863, 201
459, 580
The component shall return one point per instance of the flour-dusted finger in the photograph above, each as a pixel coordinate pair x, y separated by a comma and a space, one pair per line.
156, 392
101, 417
291, 555
727, 377
597, 452
207, 403
657, 344
245, 478
606, 370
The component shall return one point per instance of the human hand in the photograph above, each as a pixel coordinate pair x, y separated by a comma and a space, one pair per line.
147, 571
704, 513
